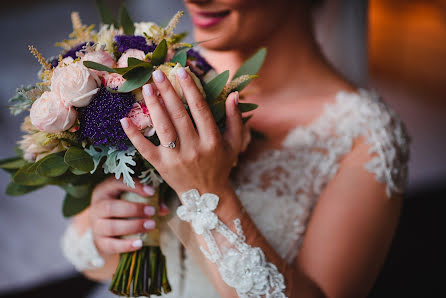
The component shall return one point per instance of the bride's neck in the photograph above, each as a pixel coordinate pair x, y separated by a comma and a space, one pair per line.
293, 56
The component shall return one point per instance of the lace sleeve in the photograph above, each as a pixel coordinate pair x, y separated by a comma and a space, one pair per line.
241, 266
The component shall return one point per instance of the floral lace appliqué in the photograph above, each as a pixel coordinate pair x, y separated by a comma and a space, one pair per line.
241, 266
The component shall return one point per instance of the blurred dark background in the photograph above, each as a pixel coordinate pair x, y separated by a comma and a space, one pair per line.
397, 47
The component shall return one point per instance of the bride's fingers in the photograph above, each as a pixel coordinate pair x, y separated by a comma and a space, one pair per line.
119, 208
144, 146
175, 107
110, 245
164, 128
121, 227
234, 124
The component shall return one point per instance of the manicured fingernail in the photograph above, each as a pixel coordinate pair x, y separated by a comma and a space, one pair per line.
163, 209
149, 210
137, 243
148, 190
182, 73
149, 225
124, 123
236, 97
147, 89
158, 76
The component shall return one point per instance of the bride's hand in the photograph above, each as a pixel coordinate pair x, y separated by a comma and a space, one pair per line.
109, 216
203, 157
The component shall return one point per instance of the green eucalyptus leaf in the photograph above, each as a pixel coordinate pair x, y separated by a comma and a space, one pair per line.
106, 15
180, 57
131, 61
78, 191
26, 175
72, 205
246, 107
136, 78
246, 119
218, 109
160, 53
14, 189
52, 166
12, 163
79, 159
214, 87
77, 172
126, 21
252, 65
98, 66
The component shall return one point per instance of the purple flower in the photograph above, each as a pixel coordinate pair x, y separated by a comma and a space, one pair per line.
99, 121
125, 42
200, 61
72, 52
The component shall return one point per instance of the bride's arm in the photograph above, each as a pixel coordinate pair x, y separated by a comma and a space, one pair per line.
347, 239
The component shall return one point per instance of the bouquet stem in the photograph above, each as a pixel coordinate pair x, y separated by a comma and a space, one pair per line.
141, 273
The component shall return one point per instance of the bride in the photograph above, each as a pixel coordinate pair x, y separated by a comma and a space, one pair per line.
308, 211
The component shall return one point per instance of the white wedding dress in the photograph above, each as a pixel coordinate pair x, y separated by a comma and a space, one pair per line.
280, 187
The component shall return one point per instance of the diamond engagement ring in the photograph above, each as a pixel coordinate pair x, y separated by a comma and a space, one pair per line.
172, 144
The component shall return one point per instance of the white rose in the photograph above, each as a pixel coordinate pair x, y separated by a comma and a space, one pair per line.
130, 53
142, 27
74, 84
49, 114
170, 73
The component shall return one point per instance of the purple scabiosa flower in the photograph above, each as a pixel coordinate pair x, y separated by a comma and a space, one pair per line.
72, 52
125, 42
99, 121
200, 61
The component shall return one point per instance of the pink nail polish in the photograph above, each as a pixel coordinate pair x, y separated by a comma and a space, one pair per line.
148, 190
236, 97
158, 76
124, 123
137, 243
149, 225
149, 210
147, 89
182, 73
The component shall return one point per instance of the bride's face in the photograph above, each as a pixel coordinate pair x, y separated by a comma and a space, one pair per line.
233, 24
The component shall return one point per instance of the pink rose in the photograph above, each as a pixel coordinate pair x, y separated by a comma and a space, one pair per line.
140, 116
101, 57
49, 114
130, 53
113, 80
74, 84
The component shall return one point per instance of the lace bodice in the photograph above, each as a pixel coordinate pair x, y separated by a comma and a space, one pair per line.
280, 187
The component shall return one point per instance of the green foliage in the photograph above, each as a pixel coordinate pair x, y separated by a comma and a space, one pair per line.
79, 159
72, 205
119, 162
99, 67
160, 53
12, 163
246, 119
136, 78
97, 153
14, 189
126, 21
78, 191
214, 88
180, 57
52, 165
246, 107
131, 61
250, 67
24, 98
106, 15
27, 175
218, 110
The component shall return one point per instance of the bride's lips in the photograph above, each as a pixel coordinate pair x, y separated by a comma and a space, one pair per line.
205, 19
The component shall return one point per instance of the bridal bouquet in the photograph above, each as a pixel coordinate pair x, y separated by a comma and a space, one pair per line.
73, 137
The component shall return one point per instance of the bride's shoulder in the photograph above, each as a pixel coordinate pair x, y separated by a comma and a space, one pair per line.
365, 115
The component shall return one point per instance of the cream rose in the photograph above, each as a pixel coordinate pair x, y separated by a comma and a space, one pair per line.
74, 84
130, 53
49, 114
170, 73
101, 57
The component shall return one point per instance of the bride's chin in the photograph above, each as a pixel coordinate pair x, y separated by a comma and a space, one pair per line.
218, 41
